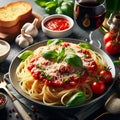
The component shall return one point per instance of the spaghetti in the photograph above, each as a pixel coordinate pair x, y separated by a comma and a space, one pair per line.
54, 82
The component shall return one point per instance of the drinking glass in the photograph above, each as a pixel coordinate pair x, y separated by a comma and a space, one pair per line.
89, 15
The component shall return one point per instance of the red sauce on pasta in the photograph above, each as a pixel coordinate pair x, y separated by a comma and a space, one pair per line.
57, 24
72, 79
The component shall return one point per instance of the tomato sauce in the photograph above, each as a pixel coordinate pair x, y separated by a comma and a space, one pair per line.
39, 71
57, 24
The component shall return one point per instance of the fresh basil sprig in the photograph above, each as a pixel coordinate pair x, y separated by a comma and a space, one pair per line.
71, 59
52, 54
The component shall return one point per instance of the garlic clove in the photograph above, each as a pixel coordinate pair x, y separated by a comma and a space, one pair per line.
29, 39
23, 43
24, 40
31, 28
27, 36
18, 38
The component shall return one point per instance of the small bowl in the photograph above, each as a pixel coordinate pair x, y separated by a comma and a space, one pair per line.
3, 100
57, 33
4, 50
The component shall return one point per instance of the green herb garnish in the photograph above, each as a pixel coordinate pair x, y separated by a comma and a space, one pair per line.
61, 55
50, 54
54, 41
74, 60
77, 99
65, 79
25, 54
85, 45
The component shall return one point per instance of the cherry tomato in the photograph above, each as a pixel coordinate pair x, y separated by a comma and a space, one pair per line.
110, 36
98, 87
112, 47
107, 37
105, 75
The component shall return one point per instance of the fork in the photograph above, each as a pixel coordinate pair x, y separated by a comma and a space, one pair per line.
17, 104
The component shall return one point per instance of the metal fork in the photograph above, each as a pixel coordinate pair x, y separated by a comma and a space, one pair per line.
18, 105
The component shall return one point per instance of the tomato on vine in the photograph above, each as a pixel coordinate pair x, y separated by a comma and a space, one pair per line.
108, 37
105, 75
112, 42
112, 47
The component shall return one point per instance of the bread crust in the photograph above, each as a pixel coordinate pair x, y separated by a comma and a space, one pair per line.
14, 29
14, 12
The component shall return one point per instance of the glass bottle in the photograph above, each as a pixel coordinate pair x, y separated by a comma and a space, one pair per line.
112, 6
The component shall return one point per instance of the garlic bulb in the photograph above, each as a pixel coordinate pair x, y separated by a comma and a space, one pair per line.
30, 28
24, 40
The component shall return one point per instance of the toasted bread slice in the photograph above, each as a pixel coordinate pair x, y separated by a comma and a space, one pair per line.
14, 12
14, 29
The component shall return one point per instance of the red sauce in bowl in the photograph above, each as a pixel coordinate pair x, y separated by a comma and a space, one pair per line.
57, 24
3, 100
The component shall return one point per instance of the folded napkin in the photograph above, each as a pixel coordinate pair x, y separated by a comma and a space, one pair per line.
52, 114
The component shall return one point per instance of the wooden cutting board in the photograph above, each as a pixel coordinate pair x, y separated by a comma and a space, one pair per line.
10, 35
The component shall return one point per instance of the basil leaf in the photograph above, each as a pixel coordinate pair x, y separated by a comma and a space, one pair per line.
41, 3
77, 99
25, 54
51, 7
50, 54
85, 45
116, 62
61, 55
54, 41
74, 60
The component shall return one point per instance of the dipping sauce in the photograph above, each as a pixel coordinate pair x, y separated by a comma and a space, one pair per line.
57, 24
